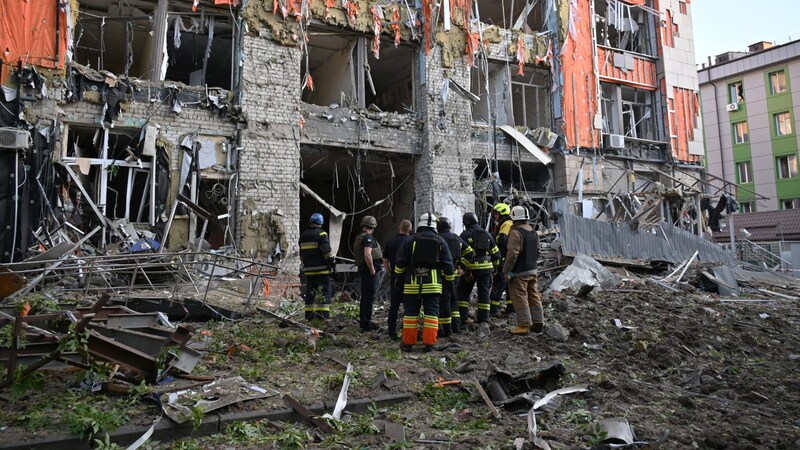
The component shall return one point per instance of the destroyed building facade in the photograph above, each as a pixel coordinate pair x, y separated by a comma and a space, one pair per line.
751, 118
227, 123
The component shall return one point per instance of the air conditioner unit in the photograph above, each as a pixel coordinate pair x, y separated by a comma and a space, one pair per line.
732, 107
13, 138
615, 141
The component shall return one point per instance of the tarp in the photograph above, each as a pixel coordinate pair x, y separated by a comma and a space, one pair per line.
525, 142
28, 34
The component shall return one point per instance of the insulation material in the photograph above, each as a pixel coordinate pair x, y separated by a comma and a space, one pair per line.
28, 34
328, 5
578, 73
227, 2
521, 54
395, 25
684, 117
427, 17
335, 222
377, 26
642, 74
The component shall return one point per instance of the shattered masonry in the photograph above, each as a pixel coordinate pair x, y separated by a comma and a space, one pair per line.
380, 108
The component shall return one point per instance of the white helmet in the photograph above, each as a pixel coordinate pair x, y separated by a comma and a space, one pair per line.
519, 213
427, 220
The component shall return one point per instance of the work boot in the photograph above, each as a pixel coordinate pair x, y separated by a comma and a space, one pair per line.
537, 328
428, 349
456, 325
406, 348
483, 329
520, 329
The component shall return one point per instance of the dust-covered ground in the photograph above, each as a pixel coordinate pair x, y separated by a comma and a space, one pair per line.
685, 369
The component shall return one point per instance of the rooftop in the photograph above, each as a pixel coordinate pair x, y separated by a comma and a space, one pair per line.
767, 226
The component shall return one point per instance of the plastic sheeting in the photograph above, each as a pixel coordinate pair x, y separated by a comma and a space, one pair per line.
28, 34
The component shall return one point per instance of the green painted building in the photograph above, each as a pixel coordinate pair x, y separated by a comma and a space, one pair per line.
750, 124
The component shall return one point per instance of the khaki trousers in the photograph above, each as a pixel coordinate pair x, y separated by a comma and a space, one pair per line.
526, 300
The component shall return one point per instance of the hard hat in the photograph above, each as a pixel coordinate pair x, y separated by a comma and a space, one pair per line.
519, 213
469, 219
443, 224
427, 220
369, 221
502, 208
317, 219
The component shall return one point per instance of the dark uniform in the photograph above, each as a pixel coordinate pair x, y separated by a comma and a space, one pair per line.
369, 282
315, 253
499, 284
396, 290
424, 264
480, 265
449, 314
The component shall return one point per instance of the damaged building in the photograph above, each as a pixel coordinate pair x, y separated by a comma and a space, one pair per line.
225, 124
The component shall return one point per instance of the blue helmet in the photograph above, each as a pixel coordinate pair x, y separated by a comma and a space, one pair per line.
317, 219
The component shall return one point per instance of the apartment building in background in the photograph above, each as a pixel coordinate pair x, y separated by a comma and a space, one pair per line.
751, 116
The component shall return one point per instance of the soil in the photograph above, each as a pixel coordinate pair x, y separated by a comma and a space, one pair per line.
685, 369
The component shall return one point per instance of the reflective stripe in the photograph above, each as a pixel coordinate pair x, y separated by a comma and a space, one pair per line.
309, 246
399, 270
410, 321
318, 272
445, 321
323, 308
455, 314
484, 306
449, 277
463, 304
495, 303
431, 322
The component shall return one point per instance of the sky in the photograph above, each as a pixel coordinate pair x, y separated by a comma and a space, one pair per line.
732, 25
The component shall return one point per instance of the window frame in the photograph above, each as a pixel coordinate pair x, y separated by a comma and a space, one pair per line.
794, 203
736, 96
772, 85
748, 166
745, 137
749, 206
777, 121
791, 169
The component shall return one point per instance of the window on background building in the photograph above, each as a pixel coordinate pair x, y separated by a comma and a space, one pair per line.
747, 207
783, 124
777, 82
682, 7
744, 172
787, 166
736, 92
790, 203
741, 134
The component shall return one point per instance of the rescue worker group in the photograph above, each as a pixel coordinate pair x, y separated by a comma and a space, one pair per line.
433, 273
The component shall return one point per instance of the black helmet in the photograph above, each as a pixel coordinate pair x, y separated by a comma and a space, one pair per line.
469, 219
443, 224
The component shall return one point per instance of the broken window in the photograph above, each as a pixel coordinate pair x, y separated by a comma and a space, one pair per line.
623, 26
200, 49
523, 15
790, 203
343, 70
125, 40
527, 104
114, 38
628, 111
736, 92
117, 179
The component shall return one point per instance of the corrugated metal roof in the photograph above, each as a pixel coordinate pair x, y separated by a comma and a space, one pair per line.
618, 243
767, 226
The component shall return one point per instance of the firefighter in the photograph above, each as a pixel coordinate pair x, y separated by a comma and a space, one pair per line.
389, 259
425, 267
480, 260
318, 264
502, 224
519, 270
369, 260
449, 314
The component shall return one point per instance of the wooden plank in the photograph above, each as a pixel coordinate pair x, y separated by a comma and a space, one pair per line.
486, 399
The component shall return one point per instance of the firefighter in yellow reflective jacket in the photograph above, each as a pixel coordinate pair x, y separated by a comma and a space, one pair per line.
318, 263
501, 215
480, 260
424, 265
